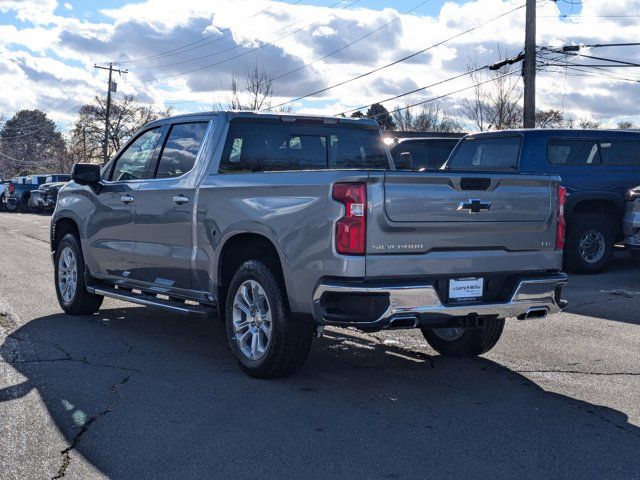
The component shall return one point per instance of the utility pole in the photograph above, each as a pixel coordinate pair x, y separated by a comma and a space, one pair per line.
111, 87
529, 67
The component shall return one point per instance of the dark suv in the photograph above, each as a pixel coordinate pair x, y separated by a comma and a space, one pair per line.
597, 168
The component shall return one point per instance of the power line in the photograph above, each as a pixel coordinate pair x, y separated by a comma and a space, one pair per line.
415, 90
439, 97
249, 51
403, 59
180, 49
247, 42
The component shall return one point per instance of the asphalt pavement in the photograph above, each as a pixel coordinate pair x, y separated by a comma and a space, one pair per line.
134, 393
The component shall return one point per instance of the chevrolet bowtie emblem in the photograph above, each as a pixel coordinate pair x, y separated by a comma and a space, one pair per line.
474, 205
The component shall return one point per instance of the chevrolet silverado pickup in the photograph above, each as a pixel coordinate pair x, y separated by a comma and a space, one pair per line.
285, 224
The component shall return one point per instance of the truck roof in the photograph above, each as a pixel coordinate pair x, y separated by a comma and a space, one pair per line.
230, 114
543, 133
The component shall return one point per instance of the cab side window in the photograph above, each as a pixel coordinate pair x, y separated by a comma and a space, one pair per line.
134, 161
573, 152
181, 149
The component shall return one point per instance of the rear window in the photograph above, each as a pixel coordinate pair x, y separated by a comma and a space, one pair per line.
268, 147
425, 155
497, 153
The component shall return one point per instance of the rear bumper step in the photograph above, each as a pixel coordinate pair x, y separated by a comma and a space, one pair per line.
413, 305
153, 301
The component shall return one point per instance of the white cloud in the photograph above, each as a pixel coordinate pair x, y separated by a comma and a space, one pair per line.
42, 57
68, 6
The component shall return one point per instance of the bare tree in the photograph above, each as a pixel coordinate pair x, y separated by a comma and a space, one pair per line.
626, 125
428, 118
551, 118
588, 123
494, 105
253, 92
126, 117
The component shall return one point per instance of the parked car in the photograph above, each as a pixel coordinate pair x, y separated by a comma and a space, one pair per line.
2, 189
422, 153
19, 192
631, 223
45, 197
597, 168
11, 206
287, 224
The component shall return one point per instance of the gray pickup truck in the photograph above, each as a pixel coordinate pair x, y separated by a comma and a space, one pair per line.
285, 224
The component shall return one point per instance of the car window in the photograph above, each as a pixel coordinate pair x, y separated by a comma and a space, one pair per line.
418, 153
262, 147
620, 152
573, 152
494, 153
133, 162
181, 149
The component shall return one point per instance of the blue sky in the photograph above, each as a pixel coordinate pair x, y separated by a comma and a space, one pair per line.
48, 48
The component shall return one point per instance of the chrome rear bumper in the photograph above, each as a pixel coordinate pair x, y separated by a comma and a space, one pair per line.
418, 304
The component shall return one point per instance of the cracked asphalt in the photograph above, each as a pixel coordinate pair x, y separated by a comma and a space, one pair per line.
133, 393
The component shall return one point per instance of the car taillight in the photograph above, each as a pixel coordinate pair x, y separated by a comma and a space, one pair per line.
12, 188
351, 229
561, 225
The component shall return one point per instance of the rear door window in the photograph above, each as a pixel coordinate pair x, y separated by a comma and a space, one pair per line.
492, 153
181, 149
573, 152
274, 146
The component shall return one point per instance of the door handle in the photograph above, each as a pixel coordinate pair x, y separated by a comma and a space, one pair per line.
180, 199
126, 199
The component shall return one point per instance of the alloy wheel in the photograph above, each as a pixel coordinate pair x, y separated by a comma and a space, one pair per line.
592, 246
252, 320
67, 274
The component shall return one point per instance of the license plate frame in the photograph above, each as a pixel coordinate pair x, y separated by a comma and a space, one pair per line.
466, 289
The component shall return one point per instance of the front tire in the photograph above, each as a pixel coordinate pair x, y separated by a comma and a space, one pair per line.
590, 239
71, 288
471, 342
265, 338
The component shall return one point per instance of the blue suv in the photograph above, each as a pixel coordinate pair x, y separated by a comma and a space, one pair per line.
597, 168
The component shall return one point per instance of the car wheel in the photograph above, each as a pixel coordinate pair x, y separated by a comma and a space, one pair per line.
589, 244
265, 338
71, 288
11, 207
470, 342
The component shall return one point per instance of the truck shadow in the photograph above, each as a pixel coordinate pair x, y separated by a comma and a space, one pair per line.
612, 295
140, 394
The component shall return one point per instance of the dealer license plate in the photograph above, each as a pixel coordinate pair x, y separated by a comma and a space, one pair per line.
465, 288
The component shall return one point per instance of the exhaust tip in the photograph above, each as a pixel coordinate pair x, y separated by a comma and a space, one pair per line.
535, 312
403, 322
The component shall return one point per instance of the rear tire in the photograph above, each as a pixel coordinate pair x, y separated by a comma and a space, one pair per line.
71, 288
468, 343
589, 245
256, 305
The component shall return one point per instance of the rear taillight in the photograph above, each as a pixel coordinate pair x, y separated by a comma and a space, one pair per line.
12, 188
351, 229
561, 225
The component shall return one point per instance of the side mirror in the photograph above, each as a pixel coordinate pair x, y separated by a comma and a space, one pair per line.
405, 162
86, 173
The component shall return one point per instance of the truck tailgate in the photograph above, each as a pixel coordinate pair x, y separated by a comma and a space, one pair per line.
447, 223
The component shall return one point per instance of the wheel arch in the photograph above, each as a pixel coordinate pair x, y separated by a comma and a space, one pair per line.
602, 202
240, 247
60, 227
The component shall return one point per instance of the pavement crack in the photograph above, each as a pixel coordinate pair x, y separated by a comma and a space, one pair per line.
66, 453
